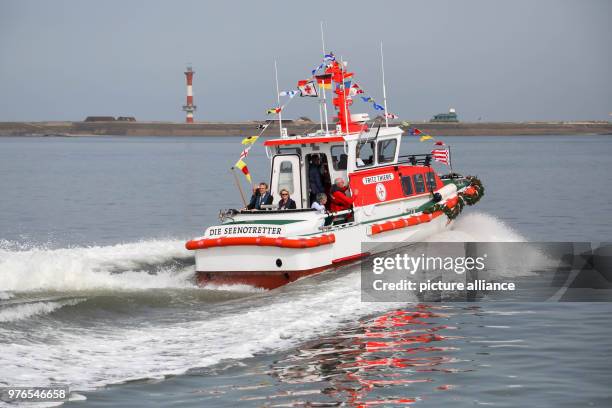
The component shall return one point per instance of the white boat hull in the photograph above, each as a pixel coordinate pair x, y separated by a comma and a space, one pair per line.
272, 266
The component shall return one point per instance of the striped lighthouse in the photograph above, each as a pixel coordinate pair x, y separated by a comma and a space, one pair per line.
189, 108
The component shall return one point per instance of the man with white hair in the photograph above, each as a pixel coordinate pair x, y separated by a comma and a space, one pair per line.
319, 203
339, 200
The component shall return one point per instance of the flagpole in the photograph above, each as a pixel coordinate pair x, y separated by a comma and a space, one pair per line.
346, 120
324, 96
280, 113
239, 187
321, 112
382, 64
450, 161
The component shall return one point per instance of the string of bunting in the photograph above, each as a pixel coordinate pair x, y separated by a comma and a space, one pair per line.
248, 142
306, 87
440, 154
356, 89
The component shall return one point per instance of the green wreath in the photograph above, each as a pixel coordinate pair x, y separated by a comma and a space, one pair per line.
476, 190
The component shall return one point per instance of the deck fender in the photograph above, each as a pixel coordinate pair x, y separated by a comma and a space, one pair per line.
281, 242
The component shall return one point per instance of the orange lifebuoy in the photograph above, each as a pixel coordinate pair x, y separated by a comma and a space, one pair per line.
404, 222
281, 242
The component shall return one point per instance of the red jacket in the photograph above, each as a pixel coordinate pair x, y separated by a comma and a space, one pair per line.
339, 200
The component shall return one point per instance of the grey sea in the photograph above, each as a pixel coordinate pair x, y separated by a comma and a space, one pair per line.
97, 290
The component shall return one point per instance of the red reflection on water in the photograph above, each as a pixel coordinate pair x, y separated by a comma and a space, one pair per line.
387, 360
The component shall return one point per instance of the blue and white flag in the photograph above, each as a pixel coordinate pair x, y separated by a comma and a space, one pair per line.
329, 57
290, 94
378, 107
314, 71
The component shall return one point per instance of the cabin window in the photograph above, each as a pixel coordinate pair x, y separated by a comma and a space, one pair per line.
339, 157
289, 150
419, 183
365, 154
431, 181
386, 150
407, 185
285, 177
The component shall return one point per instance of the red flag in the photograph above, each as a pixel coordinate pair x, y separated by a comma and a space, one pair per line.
307, 88
439, 143
414, 132
440, 155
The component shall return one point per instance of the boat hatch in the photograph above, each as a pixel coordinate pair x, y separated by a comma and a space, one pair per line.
286, 174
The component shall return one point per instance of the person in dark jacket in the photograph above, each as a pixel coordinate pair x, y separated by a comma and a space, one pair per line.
339, 200
260, 197
315, 178
286, 203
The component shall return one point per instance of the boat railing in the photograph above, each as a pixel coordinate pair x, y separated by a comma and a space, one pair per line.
412, 159
415, 159
338, 217
274, 210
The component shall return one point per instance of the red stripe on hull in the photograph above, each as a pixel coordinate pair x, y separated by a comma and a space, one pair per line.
266, 279
350, 258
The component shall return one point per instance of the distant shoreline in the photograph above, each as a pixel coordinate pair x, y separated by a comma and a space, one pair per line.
119, 128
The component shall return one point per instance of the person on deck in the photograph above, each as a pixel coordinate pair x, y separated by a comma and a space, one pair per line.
286, 203
320, 202
339, 200
260, 197
315, 178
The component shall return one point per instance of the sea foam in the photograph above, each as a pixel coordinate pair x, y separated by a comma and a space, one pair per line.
121, 266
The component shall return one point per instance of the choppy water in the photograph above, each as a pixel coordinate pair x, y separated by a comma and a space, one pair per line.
96, 287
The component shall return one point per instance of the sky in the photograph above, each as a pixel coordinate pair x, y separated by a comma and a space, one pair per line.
491, 60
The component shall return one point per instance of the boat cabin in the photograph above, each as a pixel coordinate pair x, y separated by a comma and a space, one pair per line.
363, 160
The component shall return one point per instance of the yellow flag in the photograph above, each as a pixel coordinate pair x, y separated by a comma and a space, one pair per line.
245, 170
249, 140
425, 137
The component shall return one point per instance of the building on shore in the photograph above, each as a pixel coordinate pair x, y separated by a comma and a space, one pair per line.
451, 116
100, 119
110, 119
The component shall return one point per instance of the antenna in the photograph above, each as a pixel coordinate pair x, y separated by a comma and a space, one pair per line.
280, 113
324, 97
382, 65
346, 119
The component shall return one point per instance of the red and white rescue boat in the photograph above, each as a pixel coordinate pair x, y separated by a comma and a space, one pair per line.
396, 200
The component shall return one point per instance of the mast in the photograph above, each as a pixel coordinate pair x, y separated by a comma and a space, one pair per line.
280, 113
321, 113
382, 65
344, 94
324, 96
